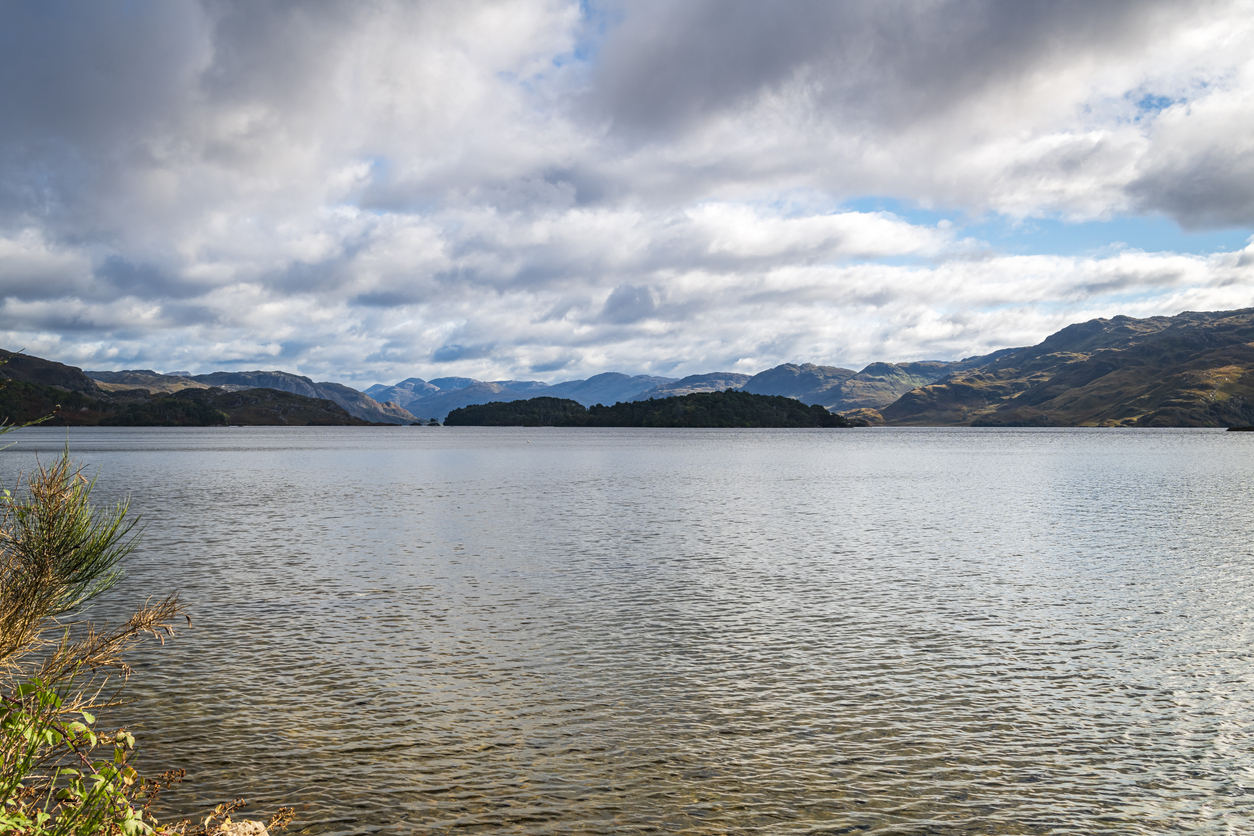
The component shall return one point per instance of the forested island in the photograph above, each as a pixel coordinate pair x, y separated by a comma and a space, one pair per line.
726, 409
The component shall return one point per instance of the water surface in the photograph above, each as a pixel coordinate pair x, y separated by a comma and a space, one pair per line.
437, 630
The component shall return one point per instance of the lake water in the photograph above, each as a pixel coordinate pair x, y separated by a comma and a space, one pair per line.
538, 631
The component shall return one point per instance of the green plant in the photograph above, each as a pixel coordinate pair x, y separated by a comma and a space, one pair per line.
50, 779
57, 553
60, 775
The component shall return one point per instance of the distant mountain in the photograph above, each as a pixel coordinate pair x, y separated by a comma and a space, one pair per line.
363, 406
606, 388
807, 383
1193, 369
440, 403
402, 393
842, 390
435, 398
453, 382
1189, 370
712, 382
22, 401
355, 403
879, 384
523, 385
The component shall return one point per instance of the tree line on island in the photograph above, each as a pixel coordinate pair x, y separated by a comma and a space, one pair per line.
727, 409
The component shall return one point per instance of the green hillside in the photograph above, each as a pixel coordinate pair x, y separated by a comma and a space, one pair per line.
1190, 370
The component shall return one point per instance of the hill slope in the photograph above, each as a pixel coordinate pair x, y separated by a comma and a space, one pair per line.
879, 384
807, 383
355, 403
1190, 370
28, 369
32, 388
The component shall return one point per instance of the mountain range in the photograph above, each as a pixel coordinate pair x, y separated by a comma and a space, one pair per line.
834, 388
1192, 369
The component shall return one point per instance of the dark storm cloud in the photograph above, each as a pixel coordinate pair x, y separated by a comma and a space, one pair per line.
454, 351
279, 57
1214, 188
120, 277
883, 63
93, 73
79, 82
629, 304
874, 75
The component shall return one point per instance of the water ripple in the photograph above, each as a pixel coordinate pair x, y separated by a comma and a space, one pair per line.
587, 631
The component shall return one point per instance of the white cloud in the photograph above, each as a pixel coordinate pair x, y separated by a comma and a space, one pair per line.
372, 191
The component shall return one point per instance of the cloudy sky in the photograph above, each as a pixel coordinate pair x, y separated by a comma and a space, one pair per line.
369, 191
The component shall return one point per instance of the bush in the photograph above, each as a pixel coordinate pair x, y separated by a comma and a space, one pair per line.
56, 553
59, 775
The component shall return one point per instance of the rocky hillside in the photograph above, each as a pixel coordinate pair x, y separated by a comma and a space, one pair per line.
33, 389
879, 384
807, 383
272, 407
143, 379
355, 403
402, 393
443, 401
28, 369
843, 390
1189, 370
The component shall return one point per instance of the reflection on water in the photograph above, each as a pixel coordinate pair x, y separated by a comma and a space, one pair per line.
628, 631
